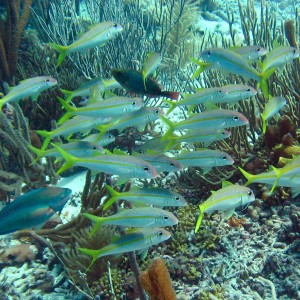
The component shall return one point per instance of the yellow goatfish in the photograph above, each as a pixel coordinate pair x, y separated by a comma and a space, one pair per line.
30, 87
133, 240
225, 200
98, 35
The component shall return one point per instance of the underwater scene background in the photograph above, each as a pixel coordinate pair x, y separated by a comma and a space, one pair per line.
149, 149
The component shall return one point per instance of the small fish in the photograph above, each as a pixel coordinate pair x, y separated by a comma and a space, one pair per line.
290, 170
279, 56
226, 60
124, 166
231, 62
84, 90
204, 137
137, 118
237, 92
200, 97
270, 177
30, 87
133, 240
76, 124
98, 35
161, 162
226, 200
151, 63
204, 158
133, 82
33, 209
155, 144
272, 107
250, 53
135, 217
78, 149
100, 139
150, 196
113, 107
217, 118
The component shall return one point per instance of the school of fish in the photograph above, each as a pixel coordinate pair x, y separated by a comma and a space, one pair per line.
113, 112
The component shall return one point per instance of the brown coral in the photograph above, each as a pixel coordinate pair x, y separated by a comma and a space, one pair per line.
157, 282
19, 253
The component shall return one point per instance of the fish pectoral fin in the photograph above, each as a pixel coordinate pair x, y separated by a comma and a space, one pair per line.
143, 253
206, 170
295, 191
227, 214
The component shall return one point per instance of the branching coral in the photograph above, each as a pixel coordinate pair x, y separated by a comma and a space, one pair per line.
17, 164
11, 30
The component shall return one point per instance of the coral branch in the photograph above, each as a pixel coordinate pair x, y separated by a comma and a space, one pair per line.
157, 282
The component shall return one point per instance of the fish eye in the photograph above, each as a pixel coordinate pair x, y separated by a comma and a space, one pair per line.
115, 25
133, 103
224, 157
166, 218
209, 52
171, 164
177, 198
160, 233
235, 118
146, 168
249, 193
156, 111
258, 49
294, 51
219, 91
94, 148
248, 90
47, 80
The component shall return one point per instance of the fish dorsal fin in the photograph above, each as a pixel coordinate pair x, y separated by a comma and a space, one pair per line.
226, 183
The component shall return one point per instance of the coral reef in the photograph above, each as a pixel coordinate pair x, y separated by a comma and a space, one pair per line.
19, 253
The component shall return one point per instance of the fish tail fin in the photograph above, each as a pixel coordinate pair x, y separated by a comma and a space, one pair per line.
69, 95
70, 159
202, 67
69, 108
263, 83
114, 197
47, 135
199, 220
247, 175
264, 123
277, 172
171, 104
66, 105
144, 79
98, 222
2, 102
171, 126
39, 153
62, 52
93, 253
171, 95
170, 143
